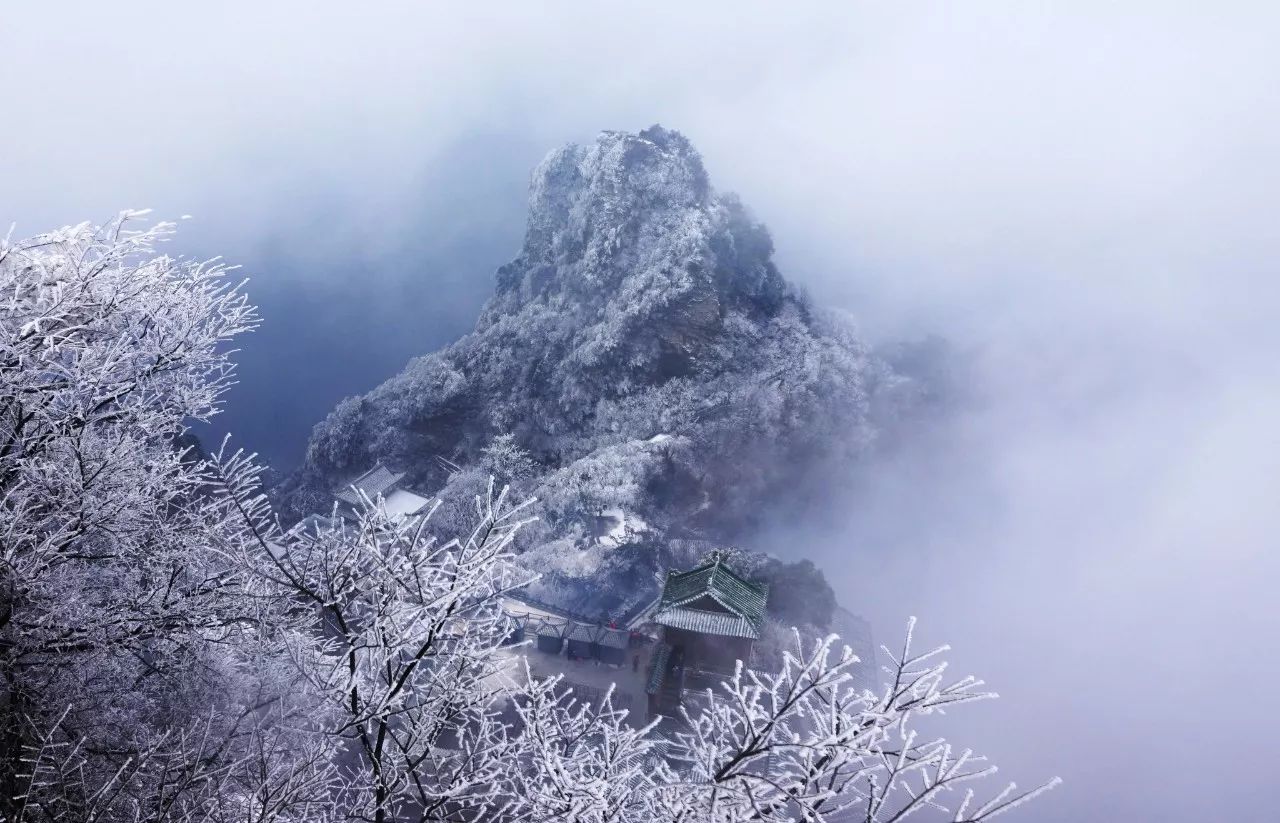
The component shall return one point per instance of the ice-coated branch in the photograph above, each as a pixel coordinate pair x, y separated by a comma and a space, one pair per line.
801, 743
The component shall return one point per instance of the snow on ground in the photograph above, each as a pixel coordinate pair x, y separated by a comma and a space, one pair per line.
624, 527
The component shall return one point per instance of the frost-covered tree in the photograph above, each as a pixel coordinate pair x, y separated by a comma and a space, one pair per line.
119, 634
802, 743
796, 744
398, 642
582, 762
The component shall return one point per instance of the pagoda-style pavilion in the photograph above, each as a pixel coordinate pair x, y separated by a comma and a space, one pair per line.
708, 619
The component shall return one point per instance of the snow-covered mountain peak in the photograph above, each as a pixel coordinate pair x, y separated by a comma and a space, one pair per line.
641, 360
627, 239
625, 198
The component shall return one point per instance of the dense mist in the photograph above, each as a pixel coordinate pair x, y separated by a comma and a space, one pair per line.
1079, 198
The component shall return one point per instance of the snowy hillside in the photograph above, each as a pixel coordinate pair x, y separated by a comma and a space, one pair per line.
642, 368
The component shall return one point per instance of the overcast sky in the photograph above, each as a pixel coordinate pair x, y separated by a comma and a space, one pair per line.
1082, 197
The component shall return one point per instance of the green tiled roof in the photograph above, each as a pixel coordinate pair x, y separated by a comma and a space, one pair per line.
742, 603
658, 668
704, 622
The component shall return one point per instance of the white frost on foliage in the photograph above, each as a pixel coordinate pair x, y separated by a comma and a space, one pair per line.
128, 646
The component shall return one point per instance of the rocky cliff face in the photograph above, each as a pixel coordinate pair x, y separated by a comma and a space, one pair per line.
642, 369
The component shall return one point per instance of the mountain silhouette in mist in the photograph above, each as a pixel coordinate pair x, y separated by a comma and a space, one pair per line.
644, 370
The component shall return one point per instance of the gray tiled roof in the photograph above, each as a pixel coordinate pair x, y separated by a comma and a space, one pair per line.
553, 626
614, 638
544, 626
605, 636
376, 481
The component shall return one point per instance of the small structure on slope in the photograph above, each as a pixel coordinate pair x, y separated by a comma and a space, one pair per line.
579, 638
707, 619
590, 658
381, 481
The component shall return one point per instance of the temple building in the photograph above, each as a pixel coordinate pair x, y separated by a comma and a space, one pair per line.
382, 482
707, 620
686, 639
